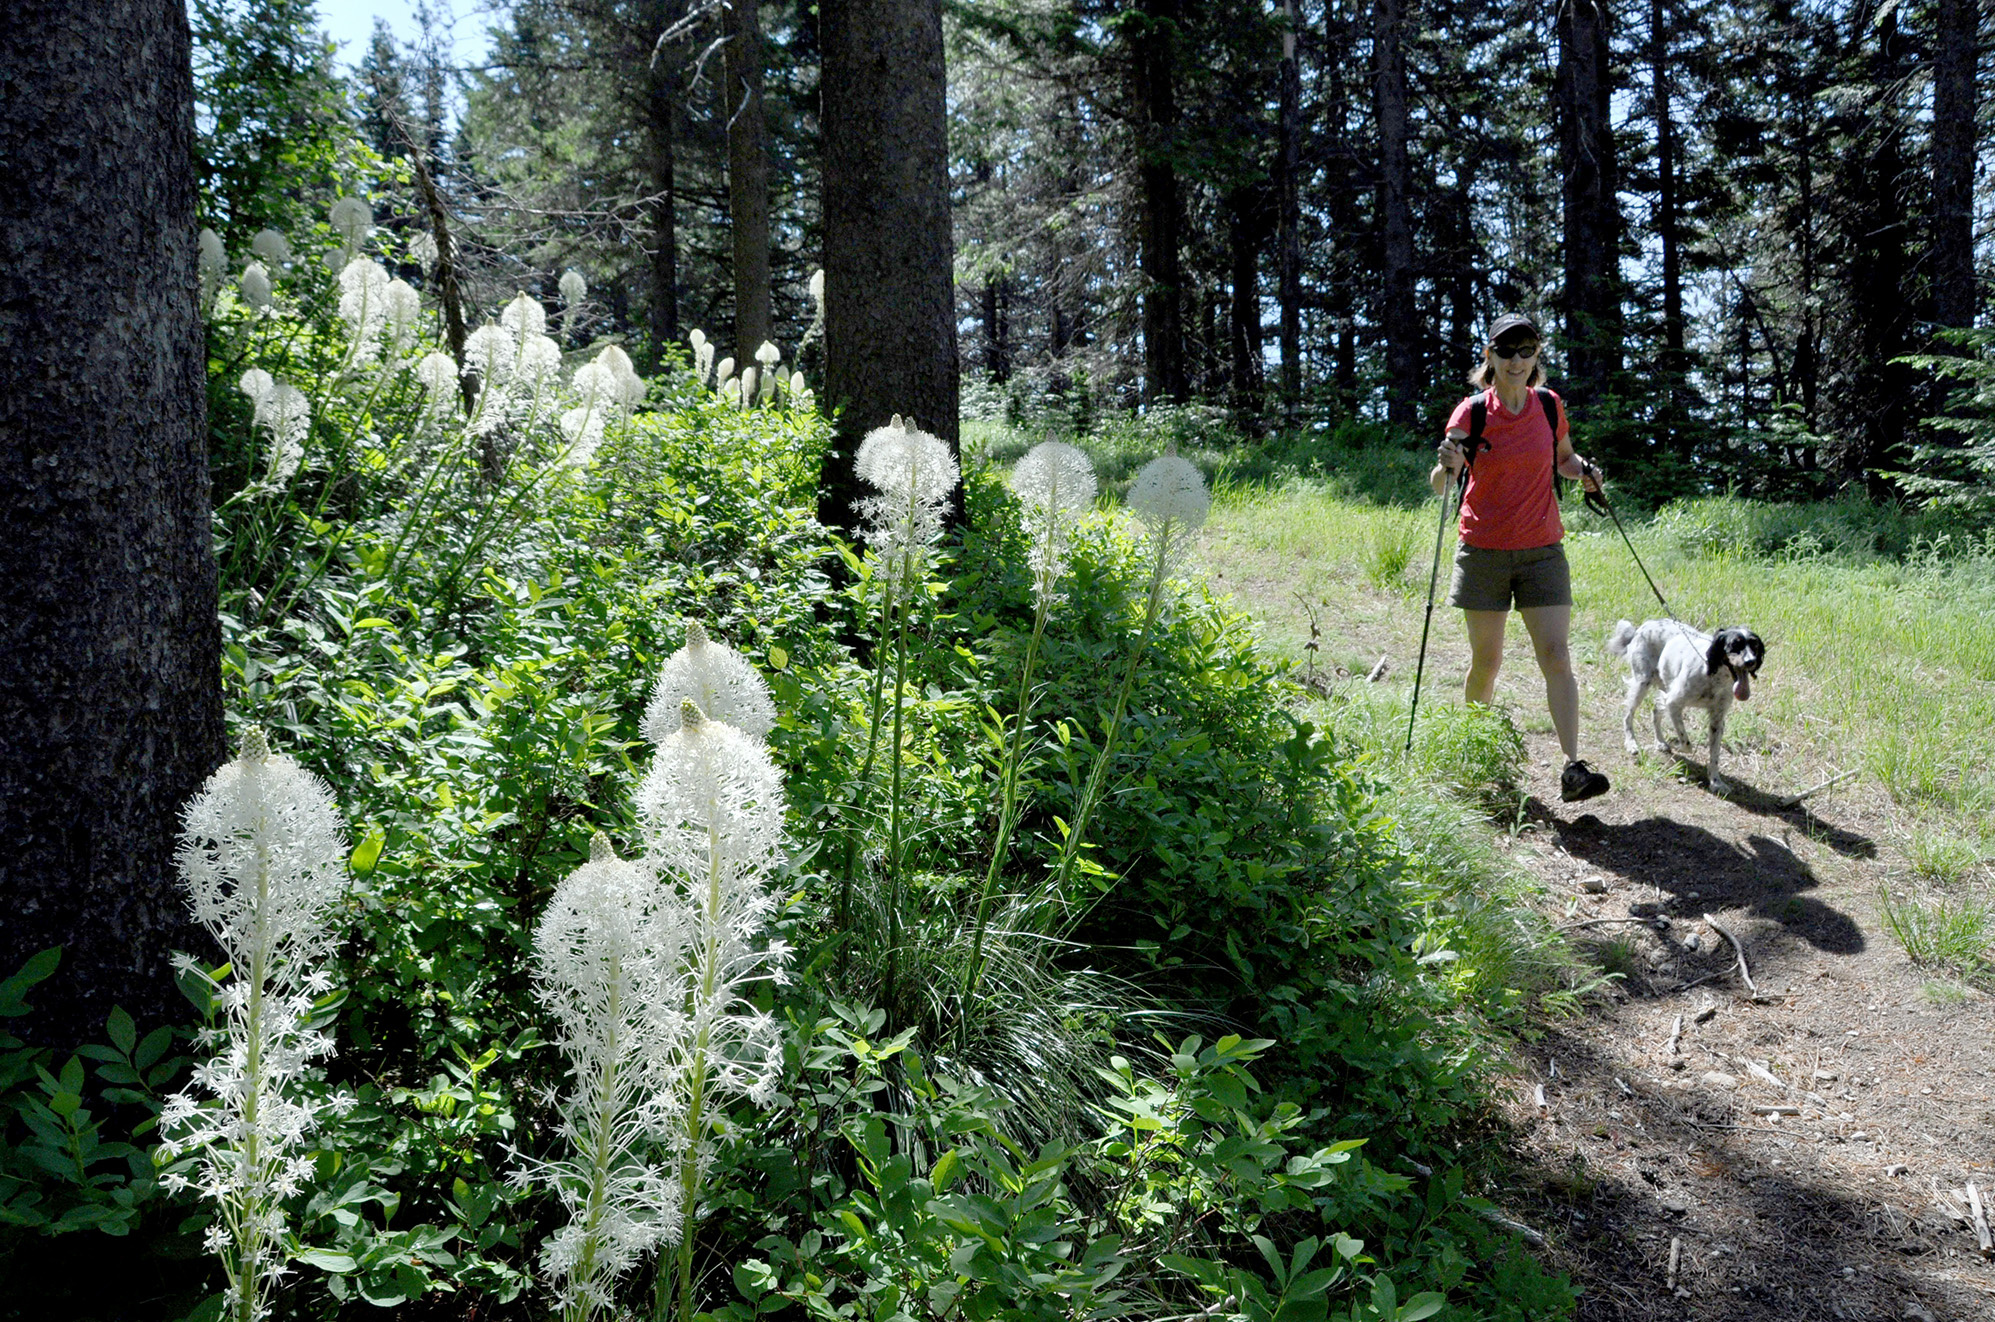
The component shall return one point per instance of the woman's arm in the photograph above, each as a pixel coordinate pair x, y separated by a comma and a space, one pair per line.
1571, 465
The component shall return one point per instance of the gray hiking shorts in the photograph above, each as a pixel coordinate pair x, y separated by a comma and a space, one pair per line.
1487, 580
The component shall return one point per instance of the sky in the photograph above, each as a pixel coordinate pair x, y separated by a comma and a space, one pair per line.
351, 24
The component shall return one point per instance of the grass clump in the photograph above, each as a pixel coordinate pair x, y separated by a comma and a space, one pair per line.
1952, 934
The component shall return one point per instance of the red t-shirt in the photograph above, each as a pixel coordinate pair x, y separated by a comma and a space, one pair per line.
1509, 504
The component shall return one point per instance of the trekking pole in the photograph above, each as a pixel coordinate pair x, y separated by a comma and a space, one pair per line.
1459, 484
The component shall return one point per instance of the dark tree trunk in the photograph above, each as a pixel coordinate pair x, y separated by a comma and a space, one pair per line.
1162, 224
1463, 263
1397, 316
1289, 239
1954, 294
1245, 230
997, 329
661, 109
890, 307
110, 690
747, 178
1592, 219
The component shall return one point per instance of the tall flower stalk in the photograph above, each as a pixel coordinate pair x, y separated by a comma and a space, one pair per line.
912, 474
712, 811
263, 860
1056, 485
609, 965
1170, 499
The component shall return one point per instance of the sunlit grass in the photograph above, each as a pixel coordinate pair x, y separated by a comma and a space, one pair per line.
1950, 934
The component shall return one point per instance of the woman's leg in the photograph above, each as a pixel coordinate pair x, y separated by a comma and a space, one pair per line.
1551, 630
1485, 653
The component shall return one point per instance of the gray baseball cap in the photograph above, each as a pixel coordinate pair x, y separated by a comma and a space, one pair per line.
1510, 322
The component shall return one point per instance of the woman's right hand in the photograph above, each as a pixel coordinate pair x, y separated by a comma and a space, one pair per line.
1449, 452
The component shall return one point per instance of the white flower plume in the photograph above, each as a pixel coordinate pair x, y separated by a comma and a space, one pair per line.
271, 246
574, 288
284, 412
489, 354
352, 219
524, 317
255, 285
423, 250
610, 966
1055, 483
712, 811
263, 860
630, 387
913, 474
718, 680
1169, 496
363, 305
256, 383
402, 309
437, 371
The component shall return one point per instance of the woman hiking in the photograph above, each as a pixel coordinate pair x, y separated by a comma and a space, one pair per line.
1512, 435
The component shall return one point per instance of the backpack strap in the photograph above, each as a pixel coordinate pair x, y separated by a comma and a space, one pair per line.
1478, 416
1551, 408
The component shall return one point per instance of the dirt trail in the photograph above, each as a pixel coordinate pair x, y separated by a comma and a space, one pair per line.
1842, 1204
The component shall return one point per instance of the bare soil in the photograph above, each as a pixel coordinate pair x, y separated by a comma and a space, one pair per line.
1802, 1151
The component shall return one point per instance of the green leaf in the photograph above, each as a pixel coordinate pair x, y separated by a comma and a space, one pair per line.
123, 1034
368, 852
37, 969
326, 1259
1422, 1305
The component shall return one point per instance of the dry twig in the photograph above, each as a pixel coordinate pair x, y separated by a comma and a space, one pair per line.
1744, 972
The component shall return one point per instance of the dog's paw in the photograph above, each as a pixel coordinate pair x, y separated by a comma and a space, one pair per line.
1662, 745
1719, 785
1634, 749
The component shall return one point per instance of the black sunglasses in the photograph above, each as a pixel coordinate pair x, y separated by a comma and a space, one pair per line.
1514, 351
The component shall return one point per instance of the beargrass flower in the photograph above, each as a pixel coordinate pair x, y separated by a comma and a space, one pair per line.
912, 474
423, 250
363, 305
213, 260
715, 678
403, 309
255, 285
489, 354
702, 354
352, 219
1170, 498
271, 246
610, 966
581, 434
712, 812
263, 860
524, 317
630, 387
285, 413
1055, 484
573, 290
437, 371
723, 372
256, 383
746, 387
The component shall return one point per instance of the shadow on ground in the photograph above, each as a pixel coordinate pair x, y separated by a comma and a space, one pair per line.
1702, 871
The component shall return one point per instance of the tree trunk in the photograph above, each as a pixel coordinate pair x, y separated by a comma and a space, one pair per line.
747, 178
661, 108
110, 696
890, 309
1244, 231
997, 328
1289, 239
1592, 304
1162, 224
1954, 294
1397, 316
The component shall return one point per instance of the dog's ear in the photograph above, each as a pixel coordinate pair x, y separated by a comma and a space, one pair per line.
1714, 656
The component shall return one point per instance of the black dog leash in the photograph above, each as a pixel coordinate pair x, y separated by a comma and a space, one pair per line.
1597, 502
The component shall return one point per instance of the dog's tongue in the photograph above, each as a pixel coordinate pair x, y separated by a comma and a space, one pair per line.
1742, 686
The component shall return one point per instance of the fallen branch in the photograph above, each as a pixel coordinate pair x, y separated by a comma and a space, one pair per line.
1980, 1211
1794, 800
1675, 1255
1744, 972
1675, 1036
1378, 671
1780, 1109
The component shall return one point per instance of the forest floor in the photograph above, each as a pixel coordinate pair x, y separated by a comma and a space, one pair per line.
1800, 1149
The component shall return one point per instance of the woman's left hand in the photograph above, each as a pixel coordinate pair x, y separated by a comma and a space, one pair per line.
1590, 476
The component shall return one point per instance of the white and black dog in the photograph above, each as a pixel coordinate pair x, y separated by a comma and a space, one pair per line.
1693, 669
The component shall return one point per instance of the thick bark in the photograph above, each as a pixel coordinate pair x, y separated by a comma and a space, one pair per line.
890, 310
661, 110
110, 698
1154, 71
1954, 294
747, 178
1591, 213
1289, 239
1397, 316
997, 328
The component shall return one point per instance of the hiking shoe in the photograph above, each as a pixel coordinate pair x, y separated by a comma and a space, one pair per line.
1580, 781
